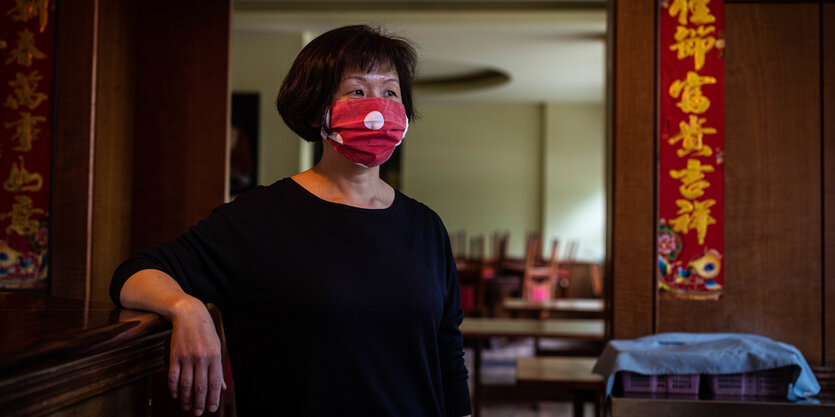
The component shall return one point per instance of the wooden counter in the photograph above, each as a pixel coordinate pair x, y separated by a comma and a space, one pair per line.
70, 357
640, 407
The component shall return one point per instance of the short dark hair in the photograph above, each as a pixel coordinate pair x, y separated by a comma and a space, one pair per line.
312, 81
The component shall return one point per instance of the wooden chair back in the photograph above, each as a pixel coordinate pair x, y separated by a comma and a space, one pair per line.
596, 273
500, 242
476, 253
470, 275
554, 258
533, 249
538, 281
565, 268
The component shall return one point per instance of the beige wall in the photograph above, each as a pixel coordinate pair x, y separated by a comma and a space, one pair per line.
478, 166
515, 167
259, 65
573, 181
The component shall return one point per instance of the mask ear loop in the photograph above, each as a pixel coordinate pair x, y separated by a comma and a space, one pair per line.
326, 119
325, 132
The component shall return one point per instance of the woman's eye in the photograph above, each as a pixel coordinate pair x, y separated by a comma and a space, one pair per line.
390, 93
356, 92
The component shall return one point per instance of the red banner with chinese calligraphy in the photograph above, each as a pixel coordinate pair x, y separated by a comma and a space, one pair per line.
690, 237
27, 44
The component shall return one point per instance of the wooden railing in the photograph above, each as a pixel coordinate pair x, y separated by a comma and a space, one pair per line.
74, 357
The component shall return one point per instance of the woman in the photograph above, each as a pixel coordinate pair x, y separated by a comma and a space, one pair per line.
339, 294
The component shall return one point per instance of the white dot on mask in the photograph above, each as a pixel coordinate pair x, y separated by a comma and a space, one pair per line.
374, 120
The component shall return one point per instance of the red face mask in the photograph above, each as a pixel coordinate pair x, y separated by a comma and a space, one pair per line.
365, 131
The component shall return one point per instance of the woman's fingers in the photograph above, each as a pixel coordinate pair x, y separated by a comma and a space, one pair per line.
201, 385
196, 374
186, 384
174, 377
216, 384
197, 382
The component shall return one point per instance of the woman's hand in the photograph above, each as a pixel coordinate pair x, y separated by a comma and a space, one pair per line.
196, 372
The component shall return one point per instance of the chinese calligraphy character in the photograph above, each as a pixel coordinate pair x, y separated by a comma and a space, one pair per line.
692, 178
694, 215
701, 13
680, 8
20, 214
25, 50
691, 136
24, 91
26, 130
694, 42
698, 8
690, 91
26, 9
21, 180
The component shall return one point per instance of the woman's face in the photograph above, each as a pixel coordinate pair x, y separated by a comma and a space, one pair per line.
377, 83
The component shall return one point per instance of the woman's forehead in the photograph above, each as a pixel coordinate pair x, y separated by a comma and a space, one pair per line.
373, 75
378, 68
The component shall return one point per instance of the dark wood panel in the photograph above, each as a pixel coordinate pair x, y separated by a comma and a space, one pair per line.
632, 163
773, 182
70, 232
640, 407
114, 142
828, 31
51, 389
826, 378
131, 400
182, 119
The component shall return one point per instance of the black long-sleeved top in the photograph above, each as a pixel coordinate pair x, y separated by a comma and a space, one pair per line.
328, 309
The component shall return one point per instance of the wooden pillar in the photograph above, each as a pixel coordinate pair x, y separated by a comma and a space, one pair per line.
113, 166
142, 114
72, 185
631, 218
828, 158
182, 116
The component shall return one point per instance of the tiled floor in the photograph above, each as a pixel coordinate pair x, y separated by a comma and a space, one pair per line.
499, 366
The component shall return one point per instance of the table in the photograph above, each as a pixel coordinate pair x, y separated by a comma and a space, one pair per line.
562, 307
578, 329
554, 376
484, 328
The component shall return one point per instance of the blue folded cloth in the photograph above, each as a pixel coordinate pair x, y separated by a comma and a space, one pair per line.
705, 353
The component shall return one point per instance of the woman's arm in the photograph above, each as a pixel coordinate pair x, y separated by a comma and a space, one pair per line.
450, 340
196, 371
